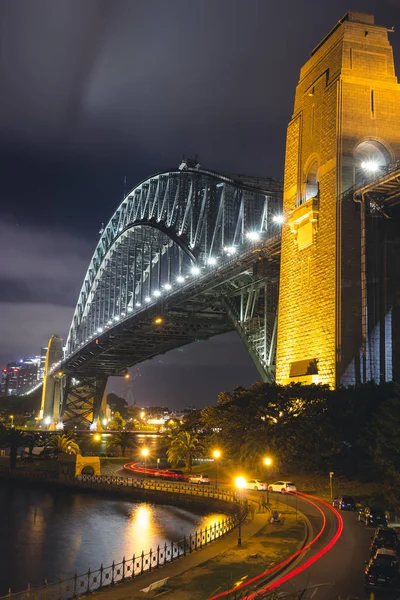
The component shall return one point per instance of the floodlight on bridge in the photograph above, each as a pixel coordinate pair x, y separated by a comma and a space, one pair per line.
195, 271
130, 309
147, 299
370, 165
116, 318
180, 279
278, 219
253, 236
230, 250
99, 329
212, 260
157, 293
167, 287
47, 421
138, 305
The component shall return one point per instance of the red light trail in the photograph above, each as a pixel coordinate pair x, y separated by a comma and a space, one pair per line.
301, 568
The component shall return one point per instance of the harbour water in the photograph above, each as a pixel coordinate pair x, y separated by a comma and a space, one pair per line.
53, 533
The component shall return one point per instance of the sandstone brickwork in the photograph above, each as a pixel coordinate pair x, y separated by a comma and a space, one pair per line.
347, 94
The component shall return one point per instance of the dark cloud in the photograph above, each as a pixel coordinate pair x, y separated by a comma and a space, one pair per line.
93, 91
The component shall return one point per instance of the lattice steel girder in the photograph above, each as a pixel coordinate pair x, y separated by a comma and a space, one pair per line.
166, 223
82, 400
194, 311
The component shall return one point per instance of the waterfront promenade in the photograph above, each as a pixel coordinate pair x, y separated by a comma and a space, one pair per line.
222, 565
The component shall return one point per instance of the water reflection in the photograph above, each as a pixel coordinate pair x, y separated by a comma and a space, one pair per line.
48, 534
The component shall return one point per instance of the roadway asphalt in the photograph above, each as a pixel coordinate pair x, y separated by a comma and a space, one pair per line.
340, 572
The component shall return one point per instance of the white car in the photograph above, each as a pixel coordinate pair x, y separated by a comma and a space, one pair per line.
199, 479
283, 487
255, 484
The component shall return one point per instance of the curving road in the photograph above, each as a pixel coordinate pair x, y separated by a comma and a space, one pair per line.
339, 573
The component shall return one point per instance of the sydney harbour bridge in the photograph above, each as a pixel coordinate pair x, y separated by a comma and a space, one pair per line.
187, 255
190, 253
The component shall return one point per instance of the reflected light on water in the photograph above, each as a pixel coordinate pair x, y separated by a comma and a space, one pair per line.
143, 526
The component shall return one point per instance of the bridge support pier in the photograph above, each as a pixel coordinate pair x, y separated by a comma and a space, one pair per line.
84, 401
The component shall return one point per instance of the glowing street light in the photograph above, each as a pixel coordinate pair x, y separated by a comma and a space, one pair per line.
138, 305
127, 376
216, 456
230, 250
267, 462
180, 279
211, 261
167, 287
12, 420
145, 452
195, 271
158, 321
157, 293
147, 299
97, 437
278, 219
240, 484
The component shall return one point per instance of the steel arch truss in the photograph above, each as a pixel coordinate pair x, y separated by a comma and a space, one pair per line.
197, 249
165, 225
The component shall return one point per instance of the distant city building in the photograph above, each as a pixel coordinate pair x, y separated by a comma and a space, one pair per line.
19, 377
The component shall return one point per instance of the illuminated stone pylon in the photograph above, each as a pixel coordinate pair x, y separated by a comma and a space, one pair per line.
346, 120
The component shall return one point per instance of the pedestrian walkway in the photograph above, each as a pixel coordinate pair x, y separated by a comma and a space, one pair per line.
222, 565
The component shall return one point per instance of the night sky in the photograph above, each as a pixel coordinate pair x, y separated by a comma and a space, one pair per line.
95, 90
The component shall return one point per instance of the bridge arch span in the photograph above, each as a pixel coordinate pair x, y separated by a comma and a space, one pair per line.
167, 224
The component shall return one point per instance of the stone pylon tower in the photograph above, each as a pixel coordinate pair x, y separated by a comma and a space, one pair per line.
346, 117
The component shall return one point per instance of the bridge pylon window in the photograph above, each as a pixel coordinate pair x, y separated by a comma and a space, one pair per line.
311, 187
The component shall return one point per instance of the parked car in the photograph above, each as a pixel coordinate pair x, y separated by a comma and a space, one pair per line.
255, 484
384, 538
372, 516
282, 486
386, 554
381, 574
199, 479
344, 503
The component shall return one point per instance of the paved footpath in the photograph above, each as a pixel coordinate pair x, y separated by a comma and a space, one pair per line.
222, 565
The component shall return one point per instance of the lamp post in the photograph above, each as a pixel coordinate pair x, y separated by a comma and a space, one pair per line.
145, 452
240, 483
216, 455
331, 474
12, 420
267, 463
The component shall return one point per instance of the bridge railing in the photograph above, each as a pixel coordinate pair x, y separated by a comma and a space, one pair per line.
161, 486
128, 568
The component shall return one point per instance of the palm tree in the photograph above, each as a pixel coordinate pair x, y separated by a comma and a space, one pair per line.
64, 444
183, 446
123, 439
13, 439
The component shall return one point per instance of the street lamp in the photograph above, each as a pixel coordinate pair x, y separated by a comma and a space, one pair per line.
267, 463
145, 452
216, 455
12, 420
240, 484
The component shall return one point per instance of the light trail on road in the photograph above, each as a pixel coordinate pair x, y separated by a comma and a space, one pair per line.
307, 564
